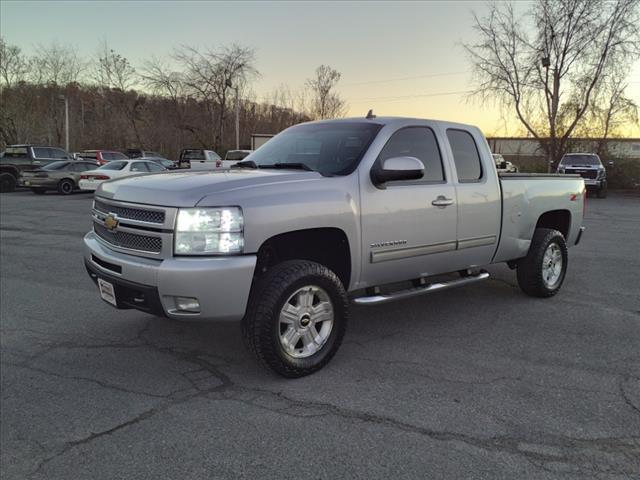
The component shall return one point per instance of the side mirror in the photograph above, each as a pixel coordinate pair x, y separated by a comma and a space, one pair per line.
397, 168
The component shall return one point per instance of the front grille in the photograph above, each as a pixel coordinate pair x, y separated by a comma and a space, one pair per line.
133, 241
139, 214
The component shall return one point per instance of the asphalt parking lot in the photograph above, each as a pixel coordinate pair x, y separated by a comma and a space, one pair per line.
481, 382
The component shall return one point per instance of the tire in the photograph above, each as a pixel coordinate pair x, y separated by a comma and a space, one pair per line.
66, 186
602, 192
7, 182
267, 329
38, 190
539, 274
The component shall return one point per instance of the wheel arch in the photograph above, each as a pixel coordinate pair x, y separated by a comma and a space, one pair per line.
557, 220
10, 169
327, 246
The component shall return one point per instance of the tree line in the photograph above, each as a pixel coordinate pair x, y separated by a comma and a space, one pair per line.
561, 68
186, 100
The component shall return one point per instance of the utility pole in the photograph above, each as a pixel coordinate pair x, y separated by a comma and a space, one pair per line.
237, 120
66, 121
229, 84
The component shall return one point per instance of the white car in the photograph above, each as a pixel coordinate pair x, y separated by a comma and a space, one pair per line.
502, 165
91, 179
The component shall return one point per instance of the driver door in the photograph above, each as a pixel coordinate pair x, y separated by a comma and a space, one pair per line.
409, 227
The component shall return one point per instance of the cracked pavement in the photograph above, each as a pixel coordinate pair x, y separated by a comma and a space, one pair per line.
479, 382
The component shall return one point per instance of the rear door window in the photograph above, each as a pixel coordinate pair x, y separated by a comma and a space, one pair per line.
41, 152
465, 155
139, 167
58, 154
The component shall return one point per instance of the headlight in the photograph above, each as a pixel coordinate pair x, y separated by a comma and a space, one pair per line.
209, 231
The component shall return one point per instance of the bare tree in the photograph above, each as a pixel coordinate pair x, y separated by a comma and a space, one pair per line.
548, 70
611, 110
325, 102
211, 74
13, 64
117, 79
113, 70
56, 64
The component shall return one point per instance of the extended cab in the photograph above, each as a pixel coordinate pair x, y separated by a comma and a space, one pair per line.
19, 158
326, 213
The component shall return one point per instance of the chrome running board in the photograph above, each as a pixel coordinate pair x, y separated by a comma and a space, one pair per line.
421, 290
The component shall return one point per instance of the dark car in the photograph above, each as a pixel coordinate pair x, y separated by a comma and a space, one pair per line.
168, 164
589, 167
61, 176
102, 156
138, 153
18, 158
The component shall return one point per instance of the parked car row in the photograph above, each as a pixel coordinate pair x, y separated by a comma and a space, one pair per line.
24, 165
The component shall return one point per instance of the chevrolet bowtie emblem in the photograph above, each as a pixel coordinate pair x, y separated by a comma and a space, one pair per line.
111, 222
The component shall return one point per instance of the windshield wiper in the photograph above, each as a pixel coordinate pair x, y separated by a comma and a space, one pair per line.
292, 165
245, 164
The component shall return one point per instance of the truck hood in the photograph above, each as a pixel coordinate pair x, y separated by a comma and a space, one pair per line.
186, 189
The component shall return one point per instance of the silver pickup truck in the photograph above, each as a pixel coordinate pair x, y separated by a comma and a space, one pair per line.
364, 210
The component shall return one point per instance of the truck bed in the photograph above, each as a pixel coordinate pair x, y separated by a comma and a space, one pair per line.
525, 198
533, 176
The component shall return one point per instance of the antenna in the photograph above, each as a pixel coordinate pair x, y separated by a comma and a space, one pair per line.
370, 114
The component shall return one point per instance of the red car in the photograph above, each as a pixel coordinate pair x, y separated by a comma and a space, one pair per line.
102, 156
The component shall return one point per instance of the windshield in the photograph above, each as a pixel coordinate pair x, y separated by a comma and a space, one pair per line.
329, 148
591, 160
55, 166
115, 165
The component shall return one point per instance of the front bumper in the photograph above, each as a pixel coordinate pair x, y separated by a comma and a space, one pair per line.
34, 182
221, 284
592, 182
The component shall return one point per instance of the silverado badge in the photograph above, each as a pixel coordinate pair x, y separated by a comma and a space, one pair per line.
111, 222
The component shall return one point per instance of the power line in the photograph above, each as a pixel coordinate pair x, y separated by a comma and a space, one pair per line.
405, 97
406, 78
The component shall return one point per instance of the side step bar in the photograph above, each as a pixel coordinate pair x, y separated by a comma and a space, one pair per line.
414, 292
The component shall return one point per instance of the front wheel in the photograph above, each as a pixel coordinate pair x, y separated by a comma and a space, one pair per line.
7, 182
542, 271
602, 191
296, 319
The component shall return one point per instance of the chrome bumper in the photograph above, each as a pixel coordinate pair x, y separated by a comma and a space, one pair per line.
221, 284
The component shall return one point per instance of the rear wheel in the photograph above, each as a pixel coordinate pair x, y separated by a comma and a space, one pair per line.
296, 319
66, 186
7, 182
541, 273
38, 190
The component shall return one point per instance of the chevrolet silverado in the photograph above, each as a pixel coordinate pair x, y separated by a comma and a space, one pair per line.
325, 214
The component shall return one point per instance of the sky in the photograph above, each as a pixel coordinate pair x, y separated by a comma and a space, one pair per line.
399, 58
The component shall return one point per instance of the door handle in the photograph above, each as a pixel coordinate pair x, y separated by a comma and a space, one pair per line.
442, 201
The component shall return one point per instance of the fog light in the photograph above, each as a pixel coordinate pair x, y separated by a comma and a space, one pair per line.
187, 304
